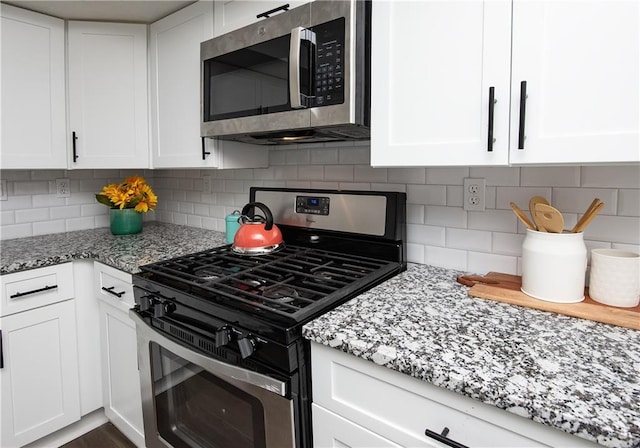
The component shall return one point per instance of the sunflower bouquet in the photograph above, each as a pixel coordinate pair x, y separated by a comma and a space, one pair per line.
133, 192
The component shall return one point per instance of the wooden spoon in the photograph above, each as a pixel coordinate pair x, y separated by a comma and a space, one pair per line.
549, 218
580, 222
522, 217
532, 204
587, 218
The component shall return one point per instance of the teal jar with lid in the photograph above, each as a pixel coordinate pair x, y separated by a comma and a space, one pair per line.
232, 224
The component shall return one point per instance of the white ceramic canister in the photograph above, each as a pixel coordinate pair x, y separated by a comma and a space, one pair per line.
554, 266
615, 277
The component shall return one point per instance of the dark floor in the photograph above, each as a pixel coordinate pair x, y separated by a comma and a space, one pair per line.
106, 436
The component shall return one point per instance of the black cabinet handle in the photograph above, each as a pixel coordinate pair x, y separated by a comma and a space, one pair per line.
523, 108
1, 352
492, 102
205, 153
34, 291
271, 11
74, 137
442, 438
110, 290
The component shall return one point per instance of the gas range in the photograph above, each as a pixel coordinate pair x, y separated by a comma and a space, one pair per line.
232, 317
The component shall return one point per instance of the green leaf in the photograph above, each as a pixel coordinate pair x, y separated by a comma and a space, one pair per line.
104, 200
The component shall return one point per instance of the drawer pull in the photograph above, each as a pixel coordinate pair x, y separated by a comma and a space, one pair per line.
22, 294
110, 290
442, 438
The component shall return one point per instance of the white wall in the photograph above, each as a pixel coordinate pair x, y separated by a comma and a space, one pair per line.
440, 232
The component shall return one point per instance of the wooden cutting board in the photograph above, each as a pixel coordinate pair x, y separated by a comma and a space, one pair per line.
506, 288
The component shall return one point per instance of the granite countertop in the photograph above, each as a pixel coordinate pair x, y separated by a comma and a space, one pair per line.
157, 241
580, 376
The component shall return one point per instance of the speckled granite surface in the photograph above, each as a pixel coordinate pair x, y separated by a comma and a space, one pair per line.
158, 241
576, 375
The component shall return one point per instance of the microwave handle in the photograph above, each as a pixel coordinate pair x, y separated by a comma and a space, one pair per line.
298, 34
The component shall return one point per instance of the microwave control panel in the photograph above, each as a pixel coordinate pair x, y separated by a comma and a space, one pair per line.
329, 80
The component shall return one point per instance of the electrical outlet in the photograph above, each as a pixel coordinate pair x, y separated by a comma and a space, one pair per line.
62, 188
206, 183
3, 190
474, 194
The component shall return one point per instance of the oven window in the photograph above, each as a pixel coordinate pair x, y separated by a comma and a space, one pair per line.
197, 409
250, 81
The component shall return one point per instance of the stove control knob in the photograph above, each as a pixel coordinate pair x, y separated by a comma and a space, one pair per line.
247, 346
223, 336
169, 307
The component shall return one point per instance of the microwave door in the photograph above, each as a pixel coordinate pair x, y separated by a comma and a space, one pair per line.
301, 67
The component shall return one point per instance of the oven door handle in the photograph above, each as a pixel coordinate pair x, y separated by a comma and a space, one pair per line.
297, 99
146, 334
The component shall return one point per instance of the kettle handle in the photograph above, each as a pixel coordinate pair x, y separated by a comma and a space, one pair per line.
267, 213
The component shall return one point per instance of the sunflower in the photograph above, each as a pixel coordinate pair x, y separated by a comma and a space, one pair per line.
133, 192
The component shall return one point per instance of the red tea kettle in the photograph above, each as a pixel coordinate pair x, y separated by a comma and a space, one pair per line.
257, 235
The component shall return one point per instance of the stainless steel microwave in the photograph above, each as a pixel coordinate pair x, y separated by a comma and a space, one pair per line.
302, 75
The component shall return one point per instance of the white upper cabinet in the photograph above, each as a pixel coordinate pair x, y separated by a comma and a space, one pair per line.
230, 15
33, 90
434, 64
108, 95
580, 62
175, 97
175, 86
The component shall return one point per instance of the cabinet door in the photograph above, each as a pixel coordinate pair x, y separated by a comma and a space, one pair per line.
121, 382
580, 63
233, 14
39, 379
108, 94
33, 91
433, 68
331, 430
175, 86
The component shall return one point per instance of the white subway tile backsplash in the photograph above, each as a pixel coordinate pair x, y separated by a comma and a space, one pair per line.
481, 263
493, 220
617, 229
446, 257
468, 239
497, 176
507, 243
439, 231
415, 213
365, 173
447, 176
407, 175
445, 216
324, 156
554, 176
354, 155
339, 173
629, 202
427, 194
32, 215
422, 234
576, 200
611, 176
46, 227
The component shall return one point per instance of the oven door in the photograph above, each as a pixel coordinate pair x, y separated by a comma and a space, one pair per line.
192, 400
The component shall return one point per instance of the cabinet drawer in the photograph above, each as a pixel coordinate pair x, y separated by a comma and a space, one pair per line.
26, 290
401, 408
113, 286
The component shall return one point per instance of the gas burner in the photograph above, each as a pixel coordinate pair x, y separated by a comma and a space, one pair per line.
281, 293
208, 273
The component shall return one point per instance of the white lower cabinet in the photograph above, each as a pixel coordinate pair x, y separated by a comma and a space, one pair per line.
39, 387
121, 381
360, 404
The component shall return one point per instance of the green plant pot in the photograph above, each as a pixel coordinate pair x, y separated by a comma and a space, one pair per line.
125, 222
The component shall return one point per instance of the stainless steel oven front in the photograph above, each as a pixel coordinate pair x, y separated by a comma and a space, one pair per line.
193, 400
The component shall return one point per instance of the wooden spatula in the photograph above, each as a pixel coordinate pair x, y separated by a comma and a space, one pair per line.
549, 218
532, 204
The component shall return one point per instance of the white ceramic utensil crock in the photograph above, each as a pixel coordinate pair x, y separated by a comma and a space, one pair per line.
554, 266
